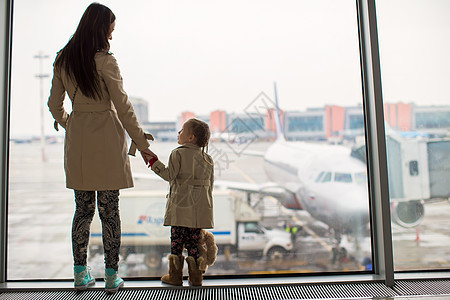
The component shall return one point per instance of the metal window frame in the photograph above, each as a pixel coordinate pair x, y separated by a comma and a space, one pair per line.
376, 141
5, 86
374, 124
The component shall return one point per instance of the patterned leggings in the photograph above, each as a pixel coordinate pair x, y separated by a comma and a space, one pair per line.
108, 208
184, 237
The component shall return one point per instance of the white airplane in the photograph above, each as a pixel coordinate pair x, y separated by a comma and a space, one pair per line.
330, 183
325, 180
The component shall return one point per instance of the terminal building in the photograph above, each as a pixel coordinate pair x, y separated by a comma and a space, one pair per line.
409, 117
333, 122
329, 123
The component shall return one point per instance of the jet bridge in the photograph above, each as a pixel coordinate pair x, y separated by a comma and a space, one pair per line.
418, 171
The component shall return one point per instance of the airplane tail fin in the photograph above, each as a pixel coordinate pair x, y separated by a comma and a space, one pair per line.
279, 130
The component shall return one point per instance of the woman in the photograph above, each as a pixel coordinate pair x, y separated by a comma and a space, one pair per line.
95, 154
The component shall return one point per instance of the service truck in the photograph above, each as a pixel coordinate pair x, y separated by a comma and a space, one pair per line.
237, 228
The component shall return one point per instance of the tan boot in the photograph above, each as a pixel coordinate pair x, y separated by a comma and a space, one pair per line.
175, 276
195, 274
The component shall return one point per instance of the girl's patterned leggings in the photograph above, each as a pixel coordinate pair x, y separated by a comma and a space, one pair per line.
108, 208
184, 237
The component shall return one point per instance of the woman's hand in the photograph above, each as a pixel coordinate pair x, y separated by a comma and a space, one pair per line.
147, 155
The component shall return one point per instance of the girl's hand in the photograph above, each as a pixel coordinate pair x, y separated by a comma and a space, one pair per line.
147, 155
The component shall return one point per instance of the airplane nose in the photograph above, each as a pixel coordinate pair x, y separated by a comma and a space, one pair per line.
350, 202
358, 205
358, 199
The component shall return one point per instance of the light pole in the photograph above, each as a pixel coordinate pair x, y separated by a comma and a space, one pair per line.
41, 77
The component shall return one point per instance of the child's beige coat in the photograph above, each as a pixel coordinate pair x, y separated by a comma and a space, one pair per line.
191, 178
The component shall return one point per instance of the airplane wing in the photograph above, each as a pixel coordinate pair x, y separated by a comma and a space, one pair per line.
287, 198
253, 153
267, 188
246, 152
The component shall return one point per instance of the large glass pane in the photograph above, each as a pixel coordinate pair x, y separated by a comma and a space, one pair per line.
288, 199
414, 46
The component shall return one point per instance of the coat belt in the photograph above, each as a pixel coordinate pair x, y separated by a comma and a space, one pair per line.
85, 107
188, 181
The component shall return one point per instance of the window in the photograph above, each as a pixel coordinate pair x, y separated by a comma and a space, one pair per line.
433, 119
360, 178
343, 177
327, 177
417, 166
319, 176
356, 122
306, 123
413, 168
253, 228
181, 60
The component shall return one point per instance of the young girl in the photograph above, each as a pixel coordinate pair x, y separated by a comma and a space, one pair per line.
190, 173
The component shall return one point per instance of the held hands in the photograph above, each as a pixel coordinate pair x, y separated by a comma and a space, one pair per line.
148, 155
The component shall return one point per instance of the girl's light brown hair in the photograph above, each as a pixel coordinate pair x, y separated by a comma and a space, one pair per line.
201, 132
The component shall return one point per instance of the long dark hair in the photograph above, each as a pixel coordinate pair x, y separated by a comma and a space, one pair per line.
77, 57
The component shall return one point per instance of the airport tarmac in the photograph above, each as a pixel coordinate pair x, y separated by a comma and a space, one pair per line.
41, 211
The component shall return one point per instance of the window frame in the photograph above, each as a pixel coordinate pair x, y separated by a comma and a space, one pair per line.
382, 246
6, 14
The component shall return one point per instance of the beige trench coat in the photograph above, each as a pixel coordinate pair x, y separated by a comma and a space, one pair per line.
191, 179
95, 149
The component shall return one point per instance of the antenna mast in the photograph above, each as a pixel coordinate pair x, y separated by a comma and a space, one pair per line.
41, 77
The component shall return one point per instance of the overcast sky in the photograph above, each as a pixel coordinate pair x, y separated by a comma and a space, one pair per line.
203, 55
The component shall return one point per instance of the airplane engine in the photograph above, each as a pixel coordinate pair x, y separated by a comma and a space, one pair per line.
408, 214
289, 200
